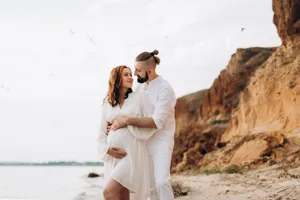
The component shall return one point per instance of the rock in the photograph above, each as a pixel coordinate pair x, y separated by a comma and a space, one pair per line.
294, 137
93, 175
278, 153
221, 144
263, 178
249, 151
184, 191
294, 173
271, 162
286, 18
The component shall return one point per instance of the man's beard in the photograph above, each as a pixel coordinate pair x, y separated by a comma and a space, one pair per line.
143, 80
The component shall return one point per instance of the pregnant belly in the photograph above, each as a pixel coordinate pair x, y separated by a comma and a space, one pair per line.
118, 138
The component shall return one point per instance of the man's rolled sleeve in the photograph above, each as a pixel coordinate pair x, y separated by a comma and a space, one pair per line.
162, 107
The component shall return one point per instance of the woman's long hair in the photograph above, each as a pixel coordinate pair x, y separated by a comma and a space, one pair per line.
114, 86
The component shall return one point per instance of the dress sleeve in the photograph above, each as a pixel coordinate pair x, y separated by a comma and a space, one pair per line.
146, 110
102, 137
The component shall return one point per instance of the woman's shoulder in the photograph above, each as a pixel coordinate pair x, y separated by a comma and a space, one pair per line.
105, 102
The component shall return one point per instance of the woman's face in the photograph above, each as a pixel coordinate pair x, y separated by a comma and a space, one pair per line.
127, 79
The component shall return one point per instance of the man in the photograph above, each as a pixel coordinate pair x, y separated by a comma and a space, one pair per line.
162, 96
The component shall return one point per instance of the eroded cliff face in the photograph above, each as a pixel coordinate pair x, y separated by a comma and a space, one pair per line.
253, 106
202, 121
271, 101
287, 20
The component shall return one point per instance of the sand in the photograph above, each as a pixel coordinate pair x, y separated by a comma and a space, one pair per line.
270, 183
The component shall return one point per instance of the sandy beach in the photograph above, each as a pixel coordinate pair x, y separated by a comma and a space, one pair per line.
270, 183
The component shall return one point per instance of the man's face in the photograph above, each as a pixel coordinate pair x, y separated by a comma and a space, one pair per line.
140, 72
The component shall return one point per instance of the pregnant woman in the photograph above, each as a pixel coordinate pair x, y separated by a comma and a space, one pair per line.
130, 176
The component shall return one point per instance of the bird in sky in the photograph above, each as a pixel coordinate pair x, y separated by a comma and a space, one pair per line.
91, 39
72, 32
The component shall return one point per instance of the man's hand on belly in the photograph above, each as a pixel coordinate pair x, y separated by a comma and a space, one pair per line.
116, 152
118, 123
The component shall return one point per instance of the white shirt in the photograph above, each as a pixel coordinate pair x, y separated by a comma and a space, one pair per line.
162, 96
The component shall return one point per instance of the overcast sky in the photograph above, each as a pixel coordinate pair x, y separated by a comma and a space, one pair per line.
55, 59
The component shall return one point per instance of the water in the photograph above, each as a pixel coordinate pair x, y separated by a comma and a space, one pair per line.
50, 183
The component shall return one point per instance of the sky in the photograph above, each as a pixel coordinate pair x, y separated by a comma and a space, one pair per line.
56, 56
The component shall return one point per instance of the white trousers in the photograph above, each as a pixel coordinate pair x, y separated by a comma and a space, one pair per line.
161, 154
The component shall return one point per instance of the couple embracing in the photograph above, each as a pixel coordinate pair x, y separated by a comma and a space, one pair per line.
136, 136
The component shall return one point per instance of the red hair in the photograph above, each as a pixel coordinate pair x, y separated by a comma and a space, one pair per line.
114, 85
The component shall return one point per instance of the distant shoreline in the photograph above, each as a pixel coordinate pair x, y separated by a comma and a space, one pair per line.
52, 164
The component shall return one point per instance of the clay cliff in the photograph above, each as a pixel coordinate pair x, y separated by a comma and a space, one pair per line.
251, 113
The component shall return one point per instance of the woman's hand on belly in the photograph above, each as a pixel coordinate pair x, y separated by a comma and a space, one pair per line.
116, 152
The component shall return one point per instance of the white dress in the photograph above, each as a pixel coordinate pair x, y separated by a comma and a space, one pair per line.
135, 170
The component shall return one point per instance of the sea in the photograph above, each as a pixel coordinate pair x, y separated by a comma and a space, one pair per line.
50, 183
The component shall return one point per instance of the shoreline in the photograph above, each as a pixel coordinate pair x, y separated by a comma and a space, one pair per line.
273, 182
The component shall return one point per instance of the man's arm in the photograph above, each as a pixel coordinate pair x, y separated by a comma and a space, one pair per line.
166, 101
145, 121
141, 122
123, 121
